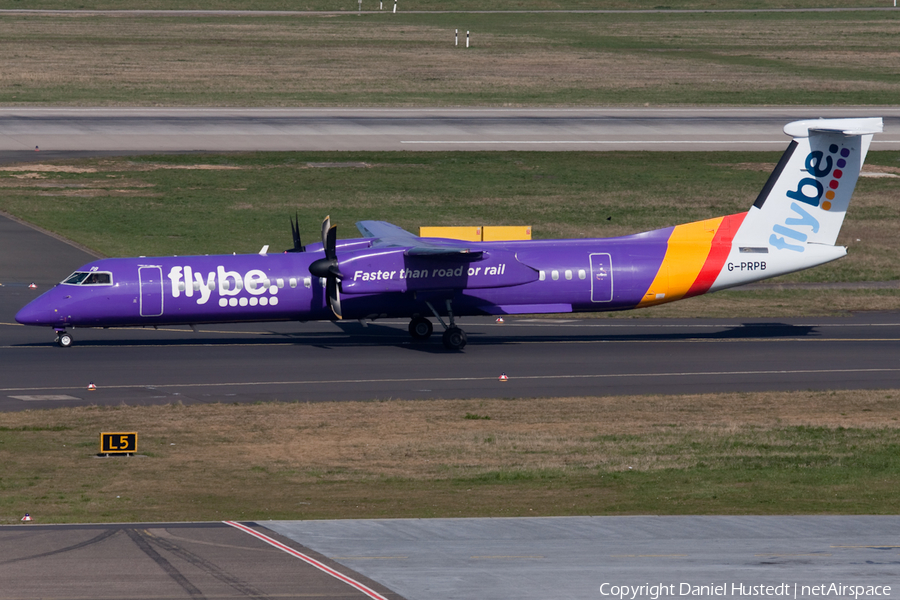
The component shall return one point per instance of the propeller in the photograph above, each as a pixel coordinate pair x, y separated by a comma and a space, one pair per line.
328, 267
295, 232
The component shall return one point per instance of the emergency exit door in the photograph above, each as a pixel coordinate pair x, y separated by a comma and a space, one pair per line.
601, 277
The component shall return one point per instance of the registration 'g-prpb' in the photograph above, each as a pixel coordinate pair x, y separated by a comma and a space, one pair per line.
390, 272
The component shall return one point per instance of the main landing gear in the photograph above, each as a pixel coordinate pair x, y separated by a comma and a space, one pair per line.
421, 328
63, 339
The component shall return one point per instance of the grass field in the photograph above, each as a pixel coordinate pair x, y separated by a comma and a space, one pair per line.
199, 204
762, 453
410, 59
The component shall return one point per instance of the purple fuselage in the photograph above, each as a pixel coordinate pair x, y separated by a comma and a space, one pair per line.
508, 278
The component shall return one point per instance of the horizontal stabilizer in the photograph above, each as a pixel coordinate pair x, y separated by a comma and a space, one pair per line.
847, 127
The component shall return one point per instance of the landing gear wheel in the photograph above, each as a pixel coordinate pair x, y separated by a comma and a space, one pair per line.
454, 339
420, 328
64, 340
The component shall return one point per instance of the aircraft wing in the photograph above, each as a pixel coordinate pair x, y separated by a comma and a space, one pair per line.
388, 235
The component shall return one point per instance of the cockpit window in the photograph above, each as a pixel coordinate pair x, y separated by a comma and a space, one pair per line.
89, 278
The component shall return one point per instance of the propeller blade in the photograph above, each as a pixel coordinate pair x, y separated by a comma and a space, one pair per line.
331, 243
326, 225
295, 232
334, 297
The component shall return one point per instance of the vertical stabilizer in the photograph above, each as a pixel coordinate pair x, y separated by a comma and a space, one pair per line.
795, 221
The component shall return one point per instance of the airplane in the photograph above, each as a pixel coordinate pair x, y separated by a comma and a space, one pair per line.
391, 273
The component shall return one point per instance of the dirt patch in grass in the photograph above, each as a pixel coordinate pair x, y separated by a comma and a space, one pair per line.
41, 168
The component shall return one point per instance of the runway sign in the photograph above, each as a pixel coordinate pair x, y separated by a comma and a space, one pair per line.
118, 443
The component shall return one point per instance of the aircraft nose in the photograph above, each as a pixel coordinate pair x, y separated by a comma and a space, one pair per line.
36, 312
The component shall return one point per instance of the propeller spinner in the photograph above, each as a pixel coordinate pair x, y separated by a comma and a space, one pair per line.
328, 268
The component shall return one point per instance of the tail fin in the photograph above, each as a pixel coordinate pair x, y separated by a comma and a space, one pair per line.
796, 219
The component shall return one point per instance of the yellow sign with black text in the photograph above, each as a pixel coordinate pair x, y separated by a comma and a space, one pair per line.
118, 443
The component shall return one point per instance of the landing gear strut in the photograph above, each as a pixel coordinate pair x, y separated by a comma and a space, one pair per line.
454, 338
64, 339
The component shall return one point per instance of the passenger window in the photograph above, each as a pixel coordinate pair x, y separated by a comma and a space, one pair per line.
554, 274
582, 274
542, 276
568, 274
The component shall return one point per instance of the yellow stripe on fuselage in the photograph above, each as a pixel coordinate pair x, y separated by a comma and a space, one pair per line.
686, 254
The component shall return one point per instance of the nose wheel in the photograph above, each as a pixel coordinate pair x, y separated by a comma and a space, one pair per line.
64, 339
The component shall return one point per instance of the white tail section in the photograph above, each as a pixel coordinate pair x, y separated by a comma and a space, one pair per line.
796, 219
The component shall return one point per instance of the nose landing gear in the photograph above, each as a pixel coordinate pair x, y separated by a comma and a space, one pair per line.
63, 339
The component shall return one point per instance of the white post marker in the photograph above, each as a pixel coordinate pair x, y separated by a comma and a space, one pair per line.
360, 7
467, 39
456, 38
395, 6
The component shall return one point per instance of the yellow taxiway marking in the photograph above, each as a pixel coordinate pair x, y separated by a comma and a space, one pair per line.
503, 556
796, 554
648, 556
872, 546
369, 557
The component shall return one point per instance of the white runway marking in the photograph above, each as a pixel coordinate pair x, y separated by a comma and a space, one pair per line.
309, 560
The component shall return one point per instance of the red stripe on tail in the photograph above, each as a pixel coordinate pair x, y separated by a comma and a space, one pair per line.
718, 252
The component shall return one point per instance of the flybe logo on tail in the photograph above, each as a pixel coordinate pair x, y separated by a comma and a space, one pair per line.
810, 191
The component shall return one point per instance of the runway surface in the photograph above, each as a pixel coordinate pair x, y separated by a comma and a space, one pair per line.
131, 130
573, 558
292, 361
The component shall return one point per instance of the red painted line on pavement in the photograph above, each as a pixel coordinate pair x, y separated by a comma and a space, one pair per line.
309, 560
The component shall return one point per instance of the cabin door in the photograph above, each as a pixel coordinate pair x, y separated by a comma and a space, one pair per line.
601, 278
151, 291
